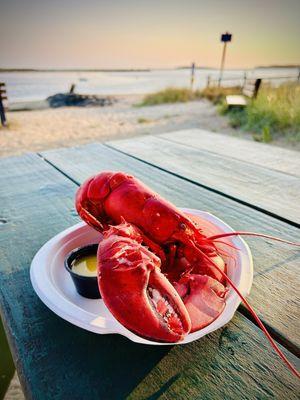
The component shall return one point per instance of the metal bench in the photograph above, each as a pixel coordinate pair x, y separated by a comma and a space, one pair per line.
250, 91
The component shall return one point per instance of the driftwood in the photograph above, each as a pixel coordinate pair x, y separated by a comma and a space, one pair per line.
79, 100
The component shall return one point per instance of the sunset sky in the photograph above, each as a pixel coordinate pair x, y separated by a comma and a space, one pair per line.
141, 34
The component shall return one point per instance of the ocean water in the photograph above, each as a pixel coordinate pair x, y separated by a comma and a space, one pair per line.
29, 86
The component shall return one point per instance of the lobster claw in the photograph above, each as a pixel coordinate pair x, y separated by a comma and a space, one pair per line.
135, 291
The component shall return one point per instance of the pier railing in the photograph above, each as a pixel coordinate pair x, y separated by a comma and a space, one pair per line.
242, 80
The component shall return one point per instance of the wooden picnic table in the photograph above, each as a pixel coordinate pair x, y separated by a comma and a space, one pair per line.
56, 360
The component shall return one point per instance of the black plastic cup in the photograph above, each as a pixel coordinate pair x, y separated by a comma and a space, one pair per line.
86, 286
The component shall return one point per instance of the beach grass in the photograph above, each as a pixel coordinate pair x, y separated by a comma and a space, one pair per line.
183, 95
170, 95
143, 120
275, 111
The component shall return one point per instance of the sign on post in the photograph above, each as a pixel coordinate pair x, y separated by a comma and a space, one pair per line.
225, 38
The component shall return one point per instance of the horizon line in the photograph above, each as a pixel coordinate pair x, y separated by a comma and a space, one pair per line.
79, 69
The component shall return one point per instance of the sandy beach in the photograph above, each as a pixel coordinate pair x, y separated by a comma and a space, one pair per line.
68, 126
42, 129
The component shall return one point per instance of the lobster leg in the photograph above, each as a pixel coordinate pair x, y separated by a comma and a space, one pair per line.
249, 307
203, 297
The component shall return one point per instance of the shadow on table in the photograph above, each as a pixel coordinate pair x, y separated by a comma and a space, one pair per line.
163, 389
56, 359
122, 364
104, 366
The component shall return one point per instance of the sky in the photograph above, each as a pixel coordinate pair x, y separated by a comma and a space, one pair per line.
147, 34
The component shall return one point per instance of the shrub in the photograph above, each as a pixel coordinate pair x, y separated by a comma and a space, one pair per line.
275, 110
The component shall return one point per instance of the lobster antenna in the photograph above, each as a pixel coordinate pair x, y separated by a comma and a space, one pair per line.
242, 233
251, 310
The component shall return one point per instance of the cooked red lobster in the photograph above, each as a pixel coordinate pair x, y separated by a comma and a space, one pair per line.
158, 274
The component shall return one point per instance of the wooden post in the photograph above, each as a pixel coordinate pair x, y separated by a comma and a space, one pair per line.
2, 97
72, 88
192, 75
208, 81
245, 79
298, 74
222, 63
256, 88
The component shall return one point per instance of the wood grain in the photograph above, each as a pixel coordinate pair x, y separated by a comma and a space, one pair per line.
56, 360
36, 203
79, 163
265, 155
175, 376
269, 190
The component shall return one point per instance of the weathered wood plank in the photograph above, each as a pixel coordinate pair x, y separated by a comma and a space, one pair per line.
283, 294
265, 155
174, 377
56, 360
263, 188
36, 203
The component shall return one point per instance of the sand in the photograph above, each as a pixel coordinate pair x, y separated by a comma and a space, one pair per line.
14, 391
68, 126
42, 129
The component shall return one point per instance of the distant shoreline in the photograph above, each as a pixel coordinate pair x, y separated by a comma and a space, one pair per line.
100, 70
277, 66
70, 70
8, 70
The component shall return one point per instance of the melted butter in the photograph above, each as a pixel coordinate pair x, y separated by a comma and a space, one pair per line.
85, 266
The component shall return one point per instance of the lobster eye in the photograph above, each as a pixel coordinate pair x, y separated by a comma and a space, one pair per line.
182, 226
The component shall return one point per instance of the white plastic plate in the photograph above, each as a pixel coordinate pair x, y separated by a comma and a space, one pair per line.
55, 288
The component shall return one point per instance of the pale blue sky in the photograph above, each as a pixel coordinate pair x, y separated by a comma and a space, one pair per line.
138, 34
